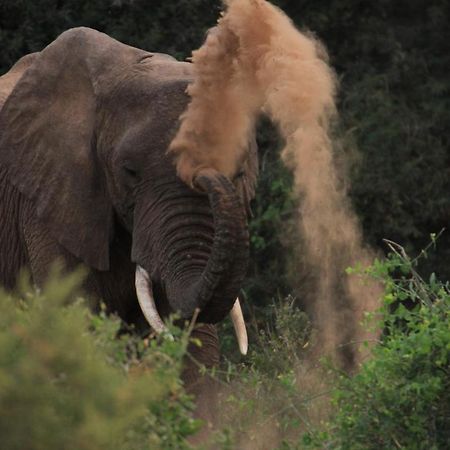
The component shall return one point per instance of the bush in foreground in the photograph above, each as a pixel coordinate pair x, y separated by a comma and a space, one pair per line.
400, 399
68, 381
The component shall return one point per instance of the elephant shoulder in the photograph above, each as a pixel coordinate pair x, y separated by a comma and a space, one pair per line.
9, 80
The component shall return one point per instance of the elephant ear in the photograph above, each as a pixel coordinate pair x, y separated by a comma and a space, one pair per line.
10, 79
48, 139
246, 182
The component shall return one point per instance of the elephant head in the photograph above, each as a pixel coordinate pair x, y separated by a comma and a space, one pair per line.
84, 136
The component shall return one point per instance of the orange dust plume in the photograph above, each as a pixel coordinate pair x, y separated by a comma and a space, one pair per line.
255, 61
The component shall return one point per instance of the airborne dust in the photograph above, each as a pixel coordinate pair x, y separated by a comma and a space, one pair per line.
255, 60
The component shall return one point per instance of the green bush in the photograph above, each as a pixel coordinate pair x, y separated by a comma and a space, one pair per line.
68, 381
401, 396
399, 399
276, 391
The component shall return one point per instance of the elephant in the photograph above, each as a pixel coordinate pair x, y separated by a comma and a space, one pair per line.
85, 178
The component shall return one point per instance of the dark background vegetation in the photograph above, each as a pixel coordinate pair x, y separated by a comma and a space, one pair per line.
392, 59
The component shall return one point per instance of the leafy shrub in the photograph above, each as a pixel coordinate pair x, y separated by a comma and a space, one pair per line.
401, 396
278, 390
68, 381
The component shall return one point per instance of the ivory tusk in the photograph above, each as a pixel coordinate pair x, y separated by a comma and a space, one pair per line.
239, 327
147, 302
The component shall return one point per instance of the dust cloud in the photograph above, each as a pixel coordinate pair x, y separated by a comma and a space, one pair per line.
255, 61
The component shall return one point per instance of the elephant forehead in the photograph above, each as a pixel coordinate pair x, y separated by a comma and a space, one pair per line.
155, 132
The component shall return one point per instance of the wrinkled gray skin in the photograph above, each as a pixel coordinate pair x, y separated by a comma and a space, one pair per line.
85, 178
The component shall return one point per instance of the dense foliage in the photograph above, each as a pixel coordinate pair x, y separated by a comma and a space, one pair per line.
67, 381
401, 397
70, 379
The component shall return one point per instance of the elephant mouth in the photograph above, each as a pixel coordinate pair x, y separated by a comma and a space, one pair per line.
144, 292
209, 294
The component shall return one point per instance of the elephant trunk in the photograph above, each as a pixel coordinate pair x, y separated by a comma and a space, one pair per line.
214, 290
222, 278
199, 246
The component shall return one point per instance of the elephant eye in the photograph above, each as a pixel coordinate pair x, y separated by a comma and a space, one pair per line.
130, 172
